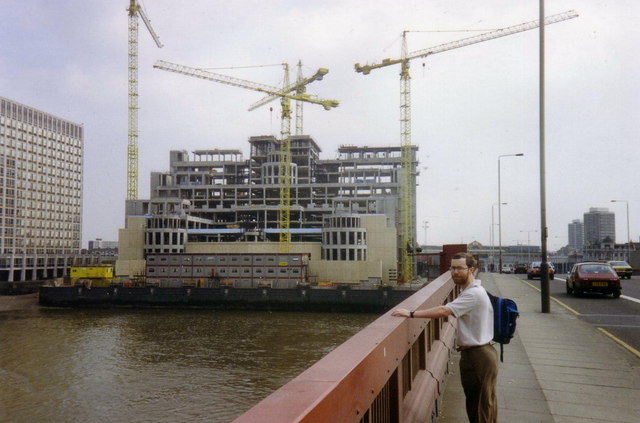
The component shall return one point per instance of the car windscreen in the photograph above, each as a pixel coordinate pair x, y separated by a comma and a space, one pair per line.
596, 269
618, 263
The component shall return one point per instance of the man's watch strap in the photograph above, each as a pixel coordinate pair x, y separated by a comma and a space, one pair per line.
411, 314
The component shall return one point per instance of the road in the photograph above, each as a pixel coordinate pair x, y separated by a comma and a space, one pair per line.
619, 317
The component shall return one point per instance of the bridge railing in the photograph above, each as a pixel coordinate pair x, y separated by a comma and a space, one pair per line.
392, 371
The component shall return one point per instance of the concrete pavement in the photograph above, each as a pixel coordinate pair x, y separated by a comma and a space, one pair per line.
556, 369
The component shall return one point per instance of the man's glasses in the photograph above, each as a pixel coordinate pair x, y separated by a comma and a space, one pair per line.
457, 269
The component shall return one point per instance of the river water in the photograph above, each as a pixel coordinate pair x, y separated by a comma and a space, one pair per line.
160, 365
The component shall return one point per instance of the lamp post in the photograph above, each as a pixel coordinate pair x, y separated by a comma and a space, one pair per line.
529, 244
628, 237
493, 252
425, 226
545, 295
500, 210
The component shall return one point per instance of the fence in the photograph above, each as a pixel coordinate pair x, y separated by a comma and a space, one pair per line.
393, 371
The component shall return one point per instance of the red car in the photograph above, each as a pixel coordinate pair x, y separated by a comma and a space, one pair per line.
593, 277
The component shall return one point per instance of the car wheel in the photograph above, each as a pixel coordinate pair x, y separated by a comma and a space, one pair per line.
529, 277
577, 292
551, 277
569, 290
616, 293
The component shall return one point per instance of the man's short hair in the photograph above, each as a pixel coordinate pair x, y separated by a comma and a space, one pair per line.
469, 259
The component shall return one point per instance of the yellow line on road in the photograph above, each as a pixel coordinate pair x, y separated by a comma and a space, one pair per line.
553, 298
621, 342
613, 337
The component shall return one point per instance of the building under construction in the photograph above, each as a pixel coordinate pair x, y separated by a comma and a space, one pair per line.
344, 212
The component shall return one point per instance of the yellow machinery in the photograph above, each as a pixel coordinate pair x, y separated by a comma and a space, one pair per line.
285, 149
91, 275
407, 219
132, 146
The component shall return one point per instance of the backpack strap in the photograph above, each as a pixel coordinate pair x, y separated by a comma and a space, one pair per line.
501, 353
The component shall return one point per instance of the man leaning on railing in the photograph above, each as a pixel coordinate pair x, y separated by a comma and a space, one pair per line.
478, 358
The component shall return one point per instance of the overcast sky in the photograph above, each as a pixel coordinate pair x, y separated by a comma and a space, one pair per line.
470, 105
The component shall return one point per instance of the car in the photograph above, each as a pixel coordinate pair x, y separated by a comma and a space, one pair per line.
534, 270
521, 268
593, 277
507, 268
622, 268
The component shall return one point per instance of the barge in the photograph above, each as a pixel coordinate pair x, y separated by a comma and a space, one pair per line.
300, 298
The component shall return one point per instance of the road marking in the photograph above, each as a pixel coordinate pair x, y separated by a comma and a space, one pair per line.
622, 316
621, 342
620, 326
635, 300
553, 298
610, 335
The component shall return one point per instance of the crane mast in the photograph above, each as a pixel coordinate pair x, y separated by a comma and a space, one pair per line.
299, 105
284, 215
406, 178
407, 183
132, 134
284, 93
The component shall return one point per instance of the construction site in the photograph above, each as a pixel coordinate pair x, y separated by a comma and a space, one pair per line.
343, 225
284, 216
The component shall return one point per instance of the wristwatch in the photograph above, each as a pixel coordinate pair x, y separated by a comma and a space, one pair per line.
411, 314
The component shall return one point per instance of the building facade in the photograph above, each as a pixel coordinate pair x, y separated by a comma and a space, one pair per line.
100, 244
599, 226
41, 158
576, 235
344, 211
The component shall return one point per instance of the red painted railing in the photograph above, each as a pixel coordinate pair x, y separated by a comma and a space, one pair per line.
390, 372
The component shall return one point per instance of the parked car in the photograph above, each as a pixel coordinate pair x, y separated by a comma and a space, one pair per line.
521, 268
507, 268
534, 270
593, 277
622, 268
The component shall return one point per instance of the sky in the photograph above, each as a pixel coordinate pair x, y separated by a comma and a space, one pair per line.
469, 105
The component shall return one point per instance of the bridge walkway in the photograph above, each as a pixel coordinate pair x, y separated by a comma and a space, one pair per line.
558, 368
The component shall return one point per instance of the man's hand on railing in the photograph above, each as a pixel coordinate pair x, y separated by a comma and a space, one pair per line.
430, 313
401, 312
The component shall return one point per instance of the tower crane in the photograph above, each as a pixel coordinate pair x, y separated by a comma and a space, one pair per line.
284, 218
299, 88
407, 233
135, 10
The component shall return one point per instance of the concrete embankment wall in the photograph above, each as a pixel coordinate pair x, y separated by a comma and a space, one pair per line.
20, 288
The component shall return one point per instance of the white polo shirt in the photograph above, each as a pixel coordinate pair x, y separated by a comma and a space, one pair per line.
474, 312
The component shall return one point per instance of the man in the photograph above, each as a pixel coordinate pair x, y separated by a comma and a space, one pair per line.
478, 358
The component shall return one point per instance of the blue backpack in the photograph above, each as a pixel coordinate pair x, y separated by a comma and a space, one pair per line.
505, 314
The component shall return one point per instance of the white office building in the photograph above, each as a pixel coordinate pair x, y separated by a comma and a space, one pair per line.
599, 226
576, 235
40, 193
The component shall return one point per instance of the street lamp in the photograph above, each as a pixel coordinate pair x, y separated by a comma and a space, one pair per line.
529, 244
493, 252
500, 209
628, 237
425, 226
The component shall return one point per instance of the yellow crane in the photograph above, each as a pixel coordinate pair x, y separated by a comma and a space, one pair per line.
300, 87
134, 10
284, 218
407, 184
